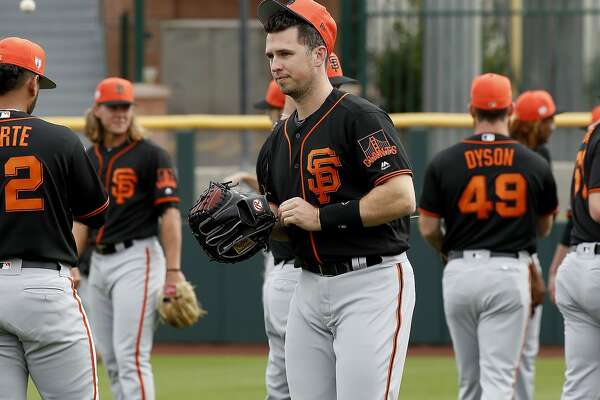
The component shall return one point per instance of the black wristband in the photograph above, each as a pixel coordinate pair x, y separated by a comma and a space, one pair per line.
340, 216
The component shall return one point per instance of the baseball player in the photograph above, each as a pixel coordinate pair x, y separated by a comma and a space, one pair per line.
47, 182
341, 184
565, 240
494, 197
578, 276
128, 265
532, 126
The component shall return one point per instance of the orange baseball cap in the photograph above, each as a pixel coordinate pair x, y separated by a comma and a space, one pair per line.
491, 92
308, 10
534, 105
114, 92
25, 54
273, 99
335, 73
595, 114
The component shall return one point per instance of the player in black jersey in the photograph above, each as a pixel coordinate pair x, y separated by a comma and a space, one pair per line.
532, 126
578, 277
494, 196
340, 181
129, 267
48, 181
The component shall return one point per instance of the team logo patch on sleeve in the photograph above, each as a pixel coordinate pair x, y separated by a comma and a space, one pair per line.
165, 178
375, 146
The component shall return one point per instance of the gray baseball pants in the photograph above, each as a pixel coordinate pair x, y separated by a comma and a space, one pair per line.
44, 332
124, 290
578, 299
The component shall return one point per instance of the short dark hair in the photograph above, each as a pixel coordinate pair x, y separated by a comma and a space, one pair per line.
307, 34
490, 116
12, 77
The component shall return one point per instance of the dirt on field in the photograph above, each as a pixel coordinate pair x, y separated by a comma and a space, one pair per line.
263, 349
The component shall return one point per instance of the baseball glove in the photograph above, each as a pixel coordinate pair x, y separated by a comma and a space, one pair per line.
231, 226
179, 306
536, 282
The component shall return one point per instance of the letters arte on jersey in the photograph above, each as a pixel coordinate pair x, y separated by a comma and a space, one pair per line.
375, 146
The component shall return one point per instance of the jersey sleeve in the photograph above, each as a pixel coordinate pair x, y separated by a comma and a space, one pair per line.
263, 170
593, 154
430, 203
548, 203
377, 148
89, 201
164, 181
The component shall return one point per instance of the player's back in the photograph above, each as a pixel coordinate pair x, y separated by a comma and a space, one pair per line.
490, 190
47, 180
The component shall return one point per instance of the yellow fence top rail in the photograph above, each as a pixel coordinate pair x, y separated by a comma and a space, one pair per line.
262, 123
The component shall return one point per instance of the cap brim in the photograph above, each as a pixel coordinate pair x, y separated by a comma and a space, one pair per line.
267, 8
116, 103
46, 83
341, 80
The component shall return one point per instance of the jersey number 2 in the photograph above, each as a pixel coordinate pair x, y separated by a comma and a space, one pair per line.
12, 202
511, 189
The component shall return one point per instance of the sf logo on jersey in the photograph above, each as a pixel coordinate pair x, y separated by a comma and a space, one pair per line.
123, 184
321, 164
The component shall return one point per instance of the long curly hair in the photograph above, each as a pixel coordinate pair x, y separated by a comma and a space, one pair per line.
527, 133
94, 130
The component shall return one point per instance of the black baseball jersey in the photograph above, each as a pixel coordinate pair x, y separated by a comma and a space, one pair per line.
282, 251
47, 181
339, 153
141, 182
490, 191
586, 180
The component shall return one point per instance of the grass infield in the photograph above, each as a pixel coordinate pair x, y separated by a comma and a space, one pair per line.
221, 377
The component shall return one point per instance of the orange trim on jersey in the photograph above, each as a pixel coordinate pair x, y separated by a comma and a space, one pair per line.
96, 211
171, 199
470, 141
311, 235
289, 143
16, 119
594, 190
397, 331
107, 177
386, 177
138, 340
429, 213
89, 338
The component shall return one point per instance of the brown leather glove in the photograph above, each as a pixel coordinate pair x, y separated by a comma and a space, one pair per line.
180, 307
537, 286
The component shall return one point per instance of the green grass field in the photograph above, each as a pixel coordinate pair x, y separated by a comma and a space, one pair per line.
241, 378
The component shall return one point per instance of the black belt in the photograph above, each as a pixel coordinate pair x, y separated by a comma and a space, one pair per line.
111, 248
337, 268
596, 248
454, 254
41, 264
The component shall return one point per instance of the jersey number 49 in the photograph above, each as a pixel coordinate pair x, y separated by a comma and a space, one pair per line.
510, 189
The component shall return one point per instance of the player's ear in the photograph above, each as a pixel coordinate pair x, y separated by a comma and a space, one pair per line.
33, 85
320, 56
511, 109
472, 110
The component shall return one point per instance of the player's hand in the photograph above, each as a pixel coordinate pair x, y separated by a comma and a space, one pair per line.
299, 212
75, 276
236, 178
171, 280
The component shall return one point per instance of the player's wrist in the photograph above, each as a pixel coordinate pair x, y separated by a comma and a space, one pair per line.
173, 269
340, 216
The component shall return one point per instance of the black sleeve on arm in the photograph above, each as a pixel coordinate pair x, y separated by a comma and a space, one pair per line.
164, 182
377, 147
548, 203
263, 163
87, 197
431, 201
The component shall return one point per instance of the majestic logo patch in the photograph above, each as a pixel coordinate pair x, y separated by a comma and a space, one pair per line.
488, 137
124, 181
165, 178
322, 165
5, 265
375, 146
5, 114
385, 165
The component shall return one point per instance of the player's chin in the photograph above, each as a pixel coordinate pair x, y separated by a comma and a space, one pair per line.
119, 128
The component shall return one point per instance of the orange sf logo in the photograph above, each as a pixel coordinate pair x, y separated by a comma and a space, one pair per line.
321, 164
124, 181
